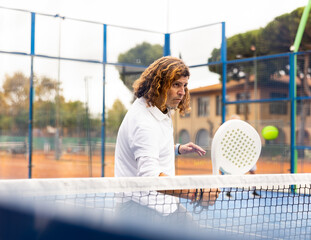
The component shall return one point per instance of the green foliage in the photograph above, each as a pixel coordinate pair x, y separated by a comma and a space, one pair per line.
115, 117
142, 54
74, 114
46, 89
240, 45
49, 104
277, 37
16, 90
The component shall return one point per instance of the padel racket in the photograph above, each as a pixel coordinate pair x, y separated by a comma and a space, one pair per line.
236, 147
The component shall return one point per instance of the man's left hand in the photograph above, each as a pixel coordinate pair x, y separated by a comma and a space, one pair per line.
191, 148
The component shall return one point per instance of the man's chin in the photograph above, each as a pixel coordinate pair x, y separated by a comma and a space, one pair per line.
172, 107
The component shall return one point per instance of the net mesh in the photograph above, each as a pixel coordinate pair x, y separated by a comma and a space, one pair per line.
247, 207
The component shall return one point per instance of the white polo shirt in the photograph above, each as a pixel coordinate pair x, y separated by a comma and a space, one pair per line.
145, 144
145, 147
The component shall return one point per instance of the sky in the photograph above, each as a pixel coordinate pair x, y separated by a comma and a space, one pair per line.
155, 15
163, 15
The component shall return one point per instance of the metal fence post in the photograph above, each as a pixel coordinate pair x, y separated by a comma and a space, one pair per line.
31, 92
167, 43
224, 69
103, 130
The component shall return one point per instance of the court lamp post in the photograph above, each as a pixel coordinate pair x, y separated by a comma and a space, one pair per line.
58, 141
88, 135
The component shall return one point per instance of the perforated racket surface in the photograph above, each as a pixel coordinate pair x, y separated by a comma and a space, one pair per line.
236, 147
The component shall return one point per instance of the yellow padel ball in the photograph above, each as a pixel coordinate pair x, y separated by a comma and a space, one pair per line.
270, 132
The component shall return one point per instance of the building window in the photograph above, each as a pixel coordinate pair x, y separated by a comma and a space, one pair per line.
218, 105
184, 137
242, 108
278, 108
203, 106
202, 138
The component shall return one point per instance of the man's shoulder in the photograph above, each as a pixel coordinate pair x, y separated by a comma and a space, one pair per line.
139, 111
139, 105
150, 112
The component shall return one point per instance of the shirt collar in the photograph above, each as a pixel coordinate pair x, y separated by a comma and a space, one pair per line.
155, 111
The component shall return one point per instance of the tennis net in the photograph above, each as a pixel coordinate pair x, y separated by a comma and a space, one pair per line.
275, 206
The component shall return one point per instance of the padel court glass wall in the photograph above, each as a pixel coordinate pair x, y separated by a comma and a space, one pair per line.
271, 90
58, 76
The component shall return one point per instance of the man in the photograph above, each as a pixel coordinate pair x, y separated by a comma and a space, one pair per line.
145, 145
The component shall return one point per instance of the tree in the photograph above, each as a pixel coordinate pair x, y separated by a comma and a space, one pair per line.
14, 98
14, 107
16, 90
277, 37
4, 119
75, 119
46, 88
45, 102
142, 55
114, 118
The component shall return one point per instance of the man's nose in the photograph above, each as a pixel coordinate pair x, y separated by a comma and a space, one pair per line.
182, 91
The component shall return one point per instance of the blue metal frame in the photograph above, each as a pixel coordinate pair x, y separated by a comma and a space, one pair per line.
103, 129
303, 98
259, 58
167, 44
224, 70
303, 147
31, 93
259, 100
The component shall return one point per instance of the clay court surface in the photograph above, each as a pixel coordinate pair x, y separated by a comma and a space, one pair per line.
14, 166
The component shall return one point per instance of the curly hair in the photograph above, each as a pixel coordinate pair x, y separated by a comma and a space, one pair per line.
157, 79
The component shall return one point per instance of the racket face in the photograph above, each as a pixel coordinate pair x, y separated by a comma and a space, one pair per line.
236, 147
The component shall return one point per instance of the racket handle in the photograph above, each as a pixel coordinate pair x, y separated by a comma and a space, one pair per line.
215, 169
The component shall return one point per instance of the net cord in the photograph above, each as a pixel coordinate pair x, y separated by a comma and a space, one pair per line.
130, 184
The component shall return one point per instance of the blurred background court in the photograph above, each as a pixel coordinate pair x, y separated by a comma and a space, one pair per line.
78, 166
